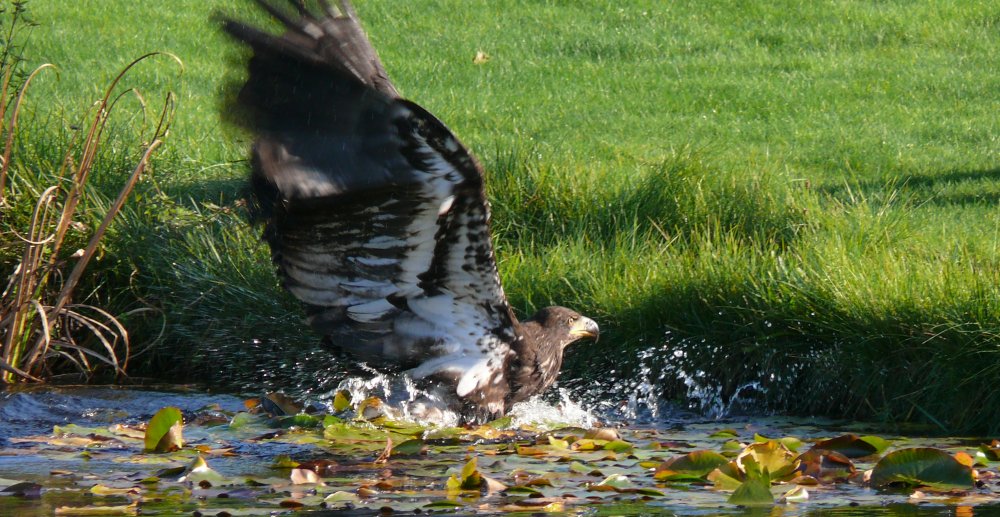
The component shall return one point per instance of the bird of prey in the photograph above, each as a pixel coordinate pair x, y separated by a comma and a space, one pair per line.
378, 222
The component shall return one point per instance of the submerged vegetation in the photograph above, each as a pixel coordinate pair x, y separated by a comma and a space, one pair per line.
787, 206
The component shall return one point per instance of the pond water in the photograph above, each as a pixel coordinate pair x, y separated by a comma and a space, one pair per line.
80, 451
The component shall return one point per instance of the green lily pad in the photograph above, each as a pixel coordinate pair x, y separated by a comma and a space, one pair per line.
468, 479
792, 443
753, 492
990, 451
693, 466
164, 431
618, 446
444, 503
922, 466
880, 444
723, 480
409, 447
851, 445
342, 401
772, 457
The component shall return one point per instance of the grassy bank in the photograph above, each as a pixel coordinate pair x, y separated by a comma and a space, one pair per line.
800, 198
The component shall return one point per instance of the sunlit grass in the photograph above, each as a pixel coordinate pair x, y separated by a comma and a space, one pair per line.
811, 188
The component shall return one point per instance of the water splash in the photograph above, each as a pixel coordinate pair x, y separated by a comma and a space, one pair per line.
545, 414
697, 376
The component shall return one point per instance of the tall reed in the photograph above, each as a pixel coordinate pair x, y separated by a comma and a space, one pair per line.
41, 321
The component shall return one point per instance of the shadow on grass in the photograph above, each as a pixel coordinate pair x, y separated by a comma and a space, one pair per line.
930, 188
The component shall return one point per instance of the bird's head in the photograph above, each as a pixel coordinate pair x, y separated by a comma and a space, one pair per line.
565, 326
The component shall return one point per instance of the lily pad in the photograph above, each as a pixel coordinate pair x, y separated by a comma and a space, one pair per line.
826, 465
772, 457
753, 492
693, 466
922, 466
791, 442
853, 446
164, 431
409, 447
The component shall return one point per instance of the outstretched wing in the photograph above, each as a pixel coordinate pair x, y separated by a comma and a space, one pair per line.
375, 212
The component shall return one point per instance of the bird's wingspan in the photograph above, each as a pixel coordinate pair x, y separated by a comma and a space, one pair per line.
375, 212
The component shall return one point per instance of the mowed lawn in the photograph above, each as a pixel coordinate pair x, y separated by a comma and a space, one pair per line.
797, 196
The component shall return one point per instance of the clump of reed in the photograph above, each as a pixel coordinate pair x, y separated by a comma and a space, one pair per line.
45, 326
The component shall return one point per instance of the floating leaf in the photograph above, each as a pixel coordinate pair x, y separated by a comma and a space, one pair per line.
616, 481
792, 443
241, 419
342, 401
530, 451
619, 446
521, 489
24, 489
731, 446
557, 443
279, 404
772, 457
991, 451
132, 509
880, 444
444, 503
795, 495
850, 445
581, 468
199, 471
724, 433
693, 466
922, 466
102, 490
723, 481
501, 423
164, 431
825, 465
964, 459
602, 433
753, 492
410, 447
342, 497
284, 462
467, 479
588, 444
345, 432
300, 420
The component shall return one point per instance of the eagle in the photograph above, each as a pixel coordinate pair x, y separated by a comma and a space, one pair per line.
378, 221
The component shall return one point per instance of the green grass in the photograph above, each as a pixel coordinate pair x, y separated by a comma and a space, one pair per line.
802, 195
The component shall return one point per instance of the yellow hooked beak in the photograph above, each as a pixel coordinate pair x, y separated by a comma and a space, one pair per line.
585, 328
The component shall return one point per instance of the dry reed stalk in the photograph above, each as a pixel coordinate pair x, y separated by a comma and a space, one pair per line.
34, 332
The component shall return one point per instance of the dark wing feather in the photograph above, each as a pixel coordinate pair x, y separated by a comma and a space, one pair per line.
378, 220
